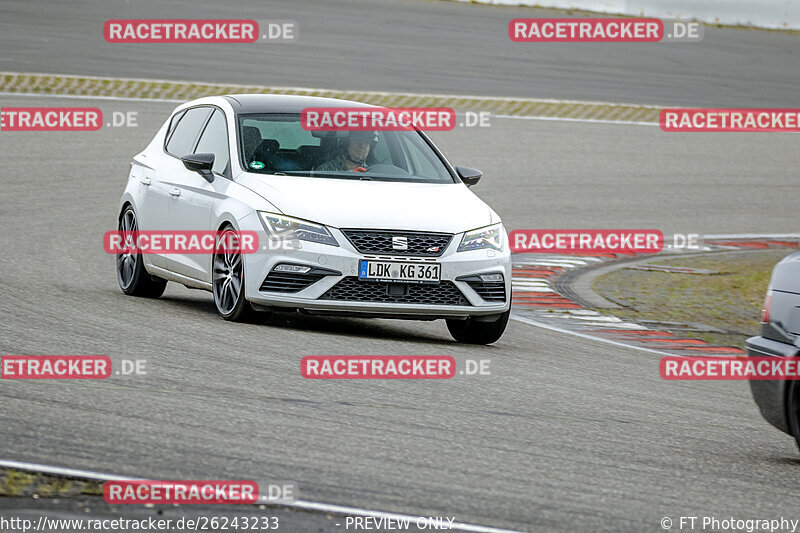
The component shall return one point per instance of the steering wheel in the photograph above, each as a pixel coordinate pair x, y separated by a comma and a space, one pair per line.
373, 165
383, 168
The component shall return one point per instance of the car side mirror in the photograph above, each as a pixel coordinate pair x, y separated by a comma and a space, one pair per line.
469, 176
200, 163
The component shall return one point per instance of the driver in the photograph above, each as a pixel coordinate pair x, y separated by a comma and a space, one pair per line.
353, 154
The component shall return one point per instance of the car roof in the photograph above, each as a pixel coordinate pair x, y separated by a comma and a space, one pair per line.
283, 103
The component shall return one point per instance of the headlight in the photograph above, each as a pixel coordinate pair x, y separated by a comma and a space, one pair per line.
283, 228
490, 237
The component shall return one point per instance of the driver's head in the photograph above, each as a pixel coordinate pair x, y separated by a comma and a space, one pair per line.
359, 143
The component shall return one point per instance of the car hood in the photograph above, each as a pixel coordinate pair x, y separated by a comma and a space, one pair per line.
344, 203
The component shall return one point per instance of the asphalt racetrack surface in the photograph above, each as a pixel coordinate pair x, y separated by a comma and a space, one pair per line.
566, 433
415, 46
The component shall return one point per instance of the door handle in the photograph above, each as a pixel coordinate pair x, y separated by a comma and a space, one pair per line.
175, 192
145, 181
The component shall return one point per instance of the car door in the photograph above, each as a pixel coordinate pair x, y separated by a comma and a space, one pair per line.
154, 184
180, 140
192, 197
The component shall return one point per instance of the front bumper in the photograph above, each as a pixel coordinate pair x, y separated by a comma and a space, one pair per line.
344, 261
770, 395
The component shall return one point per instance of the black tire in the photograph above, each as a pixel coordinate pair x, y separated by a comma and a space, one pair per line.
793, 410
227, 280
132, 277
471, 331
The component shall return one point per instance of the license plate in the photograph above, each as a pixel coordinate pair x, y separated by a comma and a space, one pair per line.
404, 272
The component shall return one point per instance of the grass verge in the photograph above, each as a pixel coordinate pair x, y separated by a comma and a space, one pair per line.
20, 483
722, 308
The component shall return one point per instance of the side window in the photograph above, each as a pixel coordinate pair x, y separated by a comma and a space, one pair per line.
421, 161
185, 132
286, 132
290, 137
173, 123
381, 151
214, 140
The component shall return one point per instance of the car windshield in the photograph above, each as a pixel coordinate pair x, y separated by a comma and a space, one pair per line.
278, 144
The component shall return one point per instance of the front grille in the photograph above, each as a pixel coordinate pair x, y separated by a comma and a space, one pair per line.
490, 291
354, 290
380, 242
293, 281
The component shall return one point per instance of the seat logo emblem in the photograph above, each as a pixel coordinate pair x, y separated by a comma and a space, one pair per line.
399, 243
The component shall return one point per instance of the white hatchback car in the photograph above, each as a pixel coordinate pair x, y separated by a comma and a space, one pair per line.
379, 224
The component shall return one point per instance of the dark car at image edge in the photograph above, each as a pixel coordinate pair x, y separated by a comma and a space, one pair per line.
779, 400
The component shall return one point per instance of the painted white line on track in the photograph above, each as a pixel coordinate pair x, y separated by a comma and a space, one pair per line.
769, 236
338, 509
586, 120
588, 337
297, 504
